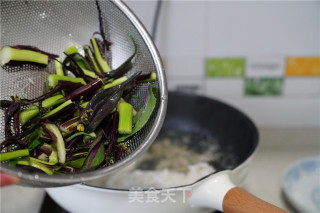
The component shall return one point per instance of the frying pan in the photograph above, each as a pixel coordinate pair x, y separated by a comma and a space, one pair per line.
208, 120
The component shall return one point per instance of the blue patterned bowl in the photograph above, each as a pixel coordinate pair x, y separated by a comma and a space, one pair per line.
301, 184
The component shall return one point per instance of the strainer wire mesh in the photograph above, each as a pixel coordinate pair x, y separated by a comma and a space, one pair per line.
53, 26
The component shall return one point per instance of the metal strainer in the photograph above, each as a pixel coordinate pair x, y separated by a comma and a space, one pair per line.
53, 26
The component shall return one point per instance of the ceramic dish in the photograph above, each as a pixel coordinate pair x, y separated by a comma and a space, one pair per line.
301, 184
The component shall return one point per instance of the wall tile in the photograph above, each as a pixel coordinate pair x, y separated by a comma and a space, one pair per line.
220, 88
225, 67
265, 66
297, 87
263, 86
144, 10
182, 29
186, 66
270, 111
188, 85
264, 33
262, 28
303, 66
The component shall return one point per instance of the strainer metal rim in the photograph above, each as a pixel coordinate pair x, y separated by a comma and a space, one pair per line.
90, 175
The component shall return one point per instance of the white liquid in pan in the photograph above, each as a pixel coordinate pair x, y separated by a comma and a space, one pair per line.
165, 178
167, 163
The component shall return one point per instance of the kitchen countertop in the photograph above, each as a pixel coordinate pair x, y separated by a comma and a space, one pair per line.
278, 148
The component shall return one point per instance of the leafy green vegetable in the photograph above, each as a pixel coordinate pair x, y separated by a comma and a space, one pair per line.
14, 162
78, 162
53, 158
36, 142
94, 159
33, 135
46, 87
34, 138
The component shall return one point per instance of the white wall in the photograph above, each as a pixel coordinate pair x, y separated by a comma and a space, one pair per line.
191, 31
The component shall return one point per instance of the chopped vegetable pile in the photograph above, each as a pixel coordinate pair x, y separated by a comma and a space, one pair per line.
80, 122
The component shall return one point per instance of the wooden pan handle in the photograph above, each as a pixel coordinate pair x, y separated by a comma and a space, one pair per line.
240, 201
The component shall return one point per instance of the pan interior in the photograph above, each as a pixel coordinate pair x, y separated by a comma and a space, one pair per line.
180, 149
203, 130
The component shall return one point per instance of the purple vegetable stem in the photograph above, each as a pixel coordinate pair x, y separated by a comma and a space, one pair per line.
65, 112
16, 138
94, 152
16, 123
75, 157
80, 148
10, 112
85, 90
113, 135
62, 85
73, 142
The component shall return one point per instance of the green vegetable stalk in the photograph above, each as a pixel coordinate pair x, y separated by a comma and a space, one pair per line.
54, 80
81, 62
125, 118
11, 54
43, 157
55, 110
69, 126
71, 50
90, 135
102, 63
42, 161
53, 158
34, 110
91, 58
14, 154
56, 136
58, 66
35, 164
141, 118
116, 82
